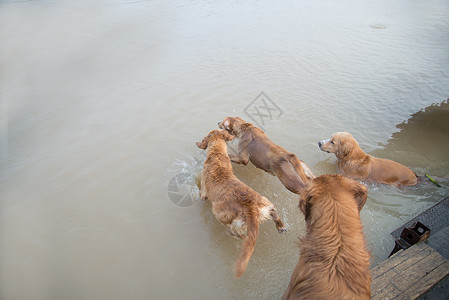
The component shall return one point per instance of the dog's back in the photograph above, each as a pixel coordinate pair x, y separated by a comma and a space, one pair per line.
334, 261
276, 160
390, 172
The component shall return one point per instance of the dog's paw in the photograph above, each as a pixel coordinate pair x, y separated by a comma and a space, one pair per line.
282, 229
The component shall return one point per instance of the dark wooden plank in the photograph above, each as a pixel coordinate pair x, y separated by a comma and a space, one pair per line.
414, 260
388, 291
409, 273
414, 274
379, 284
387, 265
396, 259
384, 273
427, 282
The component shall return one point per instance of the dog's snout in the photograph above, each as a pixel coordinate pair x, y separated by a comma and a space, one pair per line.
322, 143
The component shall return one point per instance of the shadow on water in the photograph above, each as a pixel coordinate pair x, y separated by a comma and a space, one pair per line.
421, 144
422, 141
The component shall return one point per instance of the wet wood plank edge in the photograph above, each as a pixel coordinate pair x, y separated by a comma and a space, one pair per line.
408, 274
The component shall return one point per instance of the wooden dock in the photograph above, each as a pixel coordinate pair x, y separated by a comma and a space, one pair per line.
411, 273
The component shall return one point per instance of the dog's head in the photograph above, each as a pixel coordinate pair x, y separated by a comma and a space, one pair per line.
214, 136
234, 125
340, 143
337, 187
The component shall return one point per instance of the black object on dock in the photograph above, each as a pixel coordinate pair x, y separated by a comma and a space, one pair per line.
437, 219
418, 232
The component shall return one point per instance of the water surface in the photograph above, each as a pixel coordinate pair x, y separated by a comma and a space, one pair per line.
102, 103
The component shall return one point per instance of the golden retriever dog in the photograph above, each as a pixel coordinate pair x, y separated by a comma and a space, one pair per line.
256, 147
355, 163
334, 261
234, 204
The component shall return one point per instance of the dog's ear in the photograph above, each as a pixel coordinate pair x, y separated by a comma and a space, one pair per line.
201, 145
204, 142
344, 148
305, 205
360, 194
226, 136
227, 124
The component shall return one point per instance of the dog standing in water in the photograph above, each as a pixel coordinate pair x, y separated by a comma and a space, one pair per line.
334, 261
355, 163
256, 147
234, 204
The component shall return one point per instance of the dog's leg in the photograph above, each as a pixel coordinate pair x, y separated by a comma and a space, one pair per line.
290, 178
241, 158
203, 194
301, 168
277, 220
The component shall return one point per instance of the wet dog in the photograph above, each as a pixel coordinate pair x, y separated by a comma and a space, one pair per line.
234, 204
334, 262
355, 163
255, 146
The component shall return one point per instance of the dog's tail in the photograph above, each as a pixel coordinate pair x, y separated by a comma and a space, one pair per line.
252, 224
301, 168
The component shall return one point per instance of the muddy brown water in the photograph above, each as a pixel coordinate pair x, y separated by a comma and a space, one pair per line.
102, 103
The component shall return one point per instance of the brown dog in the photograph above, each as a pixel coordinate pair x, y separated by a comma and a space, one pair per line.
255, 146
334, 262
234, 204
355, 163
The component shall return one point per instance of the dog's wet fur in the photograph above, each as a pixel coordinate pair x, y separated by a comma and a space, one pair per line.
234, 204
354, 163
334, 261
